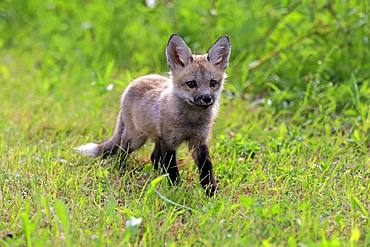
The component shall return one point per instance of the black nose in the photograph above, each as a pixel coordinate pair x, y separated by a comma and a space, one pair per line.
207, 99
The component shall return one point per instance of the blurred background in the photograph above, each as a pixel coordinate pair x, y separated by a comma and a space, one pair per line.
299, 60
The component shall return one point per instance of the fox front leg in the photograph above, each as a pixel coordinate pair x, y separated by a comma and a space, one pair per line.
165, 157
203, 160
156, 155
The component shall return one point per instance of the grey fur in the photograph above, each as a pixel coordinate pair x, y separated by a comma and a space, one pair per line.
165, 110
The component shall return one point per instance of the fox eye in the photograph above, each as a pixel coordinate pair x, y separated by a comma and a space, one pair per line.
212, 83
191, 84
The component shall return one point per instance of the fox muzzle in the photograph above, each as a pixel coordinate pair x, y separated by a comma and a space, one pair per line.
203, 100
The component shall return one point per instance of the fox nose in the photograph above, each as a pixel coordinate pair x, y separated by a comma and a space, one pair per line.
207, 99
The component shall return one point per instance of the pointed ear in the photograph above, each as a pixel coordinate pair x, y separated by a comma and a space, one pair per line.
178, 53
219, 53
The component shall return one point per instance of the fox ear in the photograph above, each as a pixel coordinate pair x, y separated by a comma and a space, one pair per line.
178, 53
219, 53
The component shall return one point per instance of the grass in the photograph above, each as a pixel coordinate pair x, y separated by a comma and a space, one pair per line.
290, 146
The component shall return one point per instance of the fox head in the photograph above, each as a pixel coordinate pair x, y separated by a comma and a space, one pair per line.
198, 79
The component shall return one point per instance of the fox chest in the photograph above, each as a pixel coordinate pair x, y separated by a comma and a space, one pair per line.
181, 130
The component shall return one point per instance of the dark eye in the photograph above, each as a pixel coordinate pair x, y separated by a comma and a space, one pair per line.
191, 84
212, 83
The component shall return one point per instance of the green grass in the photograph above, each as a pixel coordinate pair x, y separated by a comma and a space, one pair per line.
291, 145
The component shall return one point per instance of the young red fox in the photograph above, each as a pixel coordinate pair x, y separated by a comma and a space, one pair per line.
172, 110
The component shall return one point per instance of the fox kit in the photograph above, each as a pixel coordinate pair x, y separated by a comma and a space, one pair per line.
172, 110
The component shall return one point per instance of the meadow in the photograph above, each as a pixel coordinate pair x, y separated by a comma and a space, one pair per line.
291, 144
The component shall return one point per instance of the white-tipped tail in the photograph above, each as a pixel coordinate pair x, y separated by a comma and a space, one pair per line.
89, 149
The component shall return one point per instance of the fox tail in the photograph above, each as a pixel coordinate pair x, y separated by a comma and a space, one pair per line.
108, 147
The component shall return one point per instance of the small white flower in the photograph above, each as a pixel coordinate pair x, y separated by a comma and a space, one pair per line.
133, 222
63, 161
86, 25
110, 87
150, 3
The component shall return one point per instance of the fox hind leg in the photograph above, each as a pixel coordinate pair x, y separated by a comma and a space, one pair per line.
132, 140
